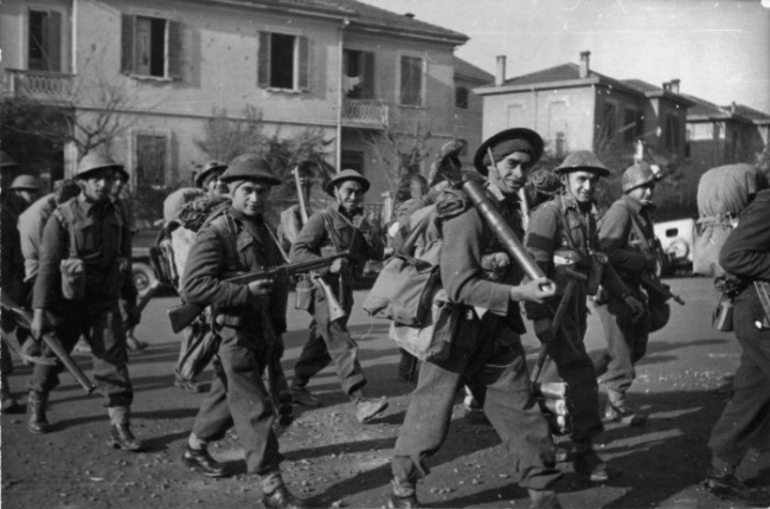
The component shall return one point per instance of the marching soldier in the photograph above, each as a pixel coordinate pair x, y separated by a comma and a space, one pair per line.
341, 226
627, 238
23, 192
252, 316
85, 267
745, 421
562, 233
486, 350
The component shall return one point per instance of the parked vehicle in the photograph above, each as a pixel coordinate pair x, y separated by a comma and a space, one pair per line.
676, 239
140, 259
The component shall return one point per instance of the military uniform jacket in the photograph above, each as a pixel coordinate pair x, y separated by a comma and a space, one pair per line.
559, 224
467, 240
31, 225
619, 237
746, 252
101, 236
316, 240
235, 243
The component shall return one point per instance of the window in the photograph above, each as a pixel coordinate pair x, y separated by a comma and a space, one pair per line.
671, 133
283, 61
411, 81
151, 47
359, 74
632, 125
353, 160
461, 98
151, 157
609, 127
44, 41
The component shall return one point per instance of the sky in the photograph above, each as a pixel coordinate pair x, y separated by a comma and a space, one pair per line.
720, 50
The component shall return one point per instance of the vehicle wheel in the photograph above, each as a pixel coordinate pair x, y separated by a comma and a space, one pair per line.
143, 276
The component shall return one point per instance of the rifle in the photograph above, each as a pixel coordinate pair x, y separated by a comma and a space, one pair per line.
654, 284
50, 339
335, 308
183, 315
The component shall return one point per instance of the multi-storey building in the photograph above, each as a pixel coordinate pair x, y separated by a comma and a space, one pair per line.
163, 69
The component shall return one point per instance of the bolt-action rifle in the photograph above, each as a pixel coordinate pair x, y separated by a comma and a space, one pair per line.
50, 339
183, 315
653, 284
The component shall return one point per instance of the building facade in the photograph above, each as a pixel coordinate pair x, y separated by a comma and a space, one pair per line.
162, 70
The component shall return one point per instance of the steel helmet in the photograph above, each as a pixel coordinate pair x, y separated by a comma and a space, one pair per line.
250, 167
638, 175
27, 182
347, 175
207, 170
582, 160
6, 161
96, 161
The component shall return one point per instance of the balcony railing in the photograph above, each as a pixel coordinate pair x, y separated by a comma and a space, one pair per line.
41, 85
365, 113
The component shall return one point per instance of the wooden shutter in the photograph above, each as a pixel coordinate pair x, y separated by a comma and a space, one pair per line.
368, 74
303, 82
175, 50
54, 41
127, 44
263, 60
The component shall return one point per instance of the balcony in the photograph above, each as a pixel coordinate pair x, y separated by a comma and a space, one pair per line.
40, 85
366, 114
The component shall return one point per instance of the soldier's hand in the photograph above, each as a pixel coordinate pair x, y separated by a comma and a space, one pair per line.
636, 307
40, 324
543, 330
538, 290
337, 265
261, 287
32, 348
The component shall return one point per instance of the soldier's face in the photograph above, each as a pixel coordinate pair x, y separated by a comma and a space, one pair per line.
250, 198
216, 187
510, 173
643, 194
349, 194
582, 185
98, 184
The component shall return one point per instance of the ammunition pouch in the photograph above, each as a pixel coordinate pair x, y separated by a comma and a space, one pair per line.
303, 293
73, 278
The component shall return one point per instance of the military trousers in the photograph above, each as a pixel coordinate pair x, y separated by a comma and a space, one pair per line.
330, 341
497, 363
745, 421
102, 326
238, 397
626, 342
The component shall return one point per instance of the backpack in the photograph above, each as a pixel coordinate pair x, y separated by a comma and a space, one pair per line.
186, 211
723, 193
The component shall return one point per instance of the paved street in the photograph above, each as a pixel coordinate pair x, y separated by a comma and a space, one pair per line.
337, 462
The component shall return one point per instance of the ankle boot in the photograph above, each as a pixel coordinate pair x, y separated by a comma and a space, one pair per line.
37, 423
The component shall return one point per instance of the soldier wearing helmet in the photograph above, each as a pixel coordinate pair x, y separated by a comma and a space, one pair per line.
562, 234
84, 270
23, 192
252, 318
627, 238
209, 179
341, 226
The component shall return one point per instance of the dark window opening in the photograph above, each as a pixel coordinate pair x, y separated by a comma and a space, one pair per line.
411, 81
353, 160
282, 61
461, 97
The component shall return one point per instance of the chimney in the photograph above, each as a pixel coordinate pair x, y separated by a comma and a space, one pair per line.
732, 108
666, 86
585, 63
500, 74
675, 86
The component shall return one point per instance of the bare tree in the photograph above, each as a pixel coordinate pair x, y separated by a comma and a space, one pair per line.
399, 150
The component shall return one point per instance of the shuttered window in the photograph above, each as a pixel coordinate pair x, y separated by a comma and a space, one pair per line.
283, 61
44, 41
411, 81
151, 47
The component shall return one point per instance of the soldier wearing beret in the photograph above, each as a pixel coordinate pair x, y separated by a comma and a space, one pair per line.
341, 226
252, 318
486, 350
85, 268
562, 233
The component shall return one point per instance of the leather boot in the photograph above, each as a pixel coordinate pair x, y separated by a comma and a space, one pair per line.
281, 498
121, 437
37, 422
404, 495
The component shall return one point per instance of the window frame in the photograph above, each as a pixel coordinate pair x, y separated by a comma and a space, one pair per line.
461, 102
369, 67
400, 81
60, 48
300, 61
134, 158
173, 47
